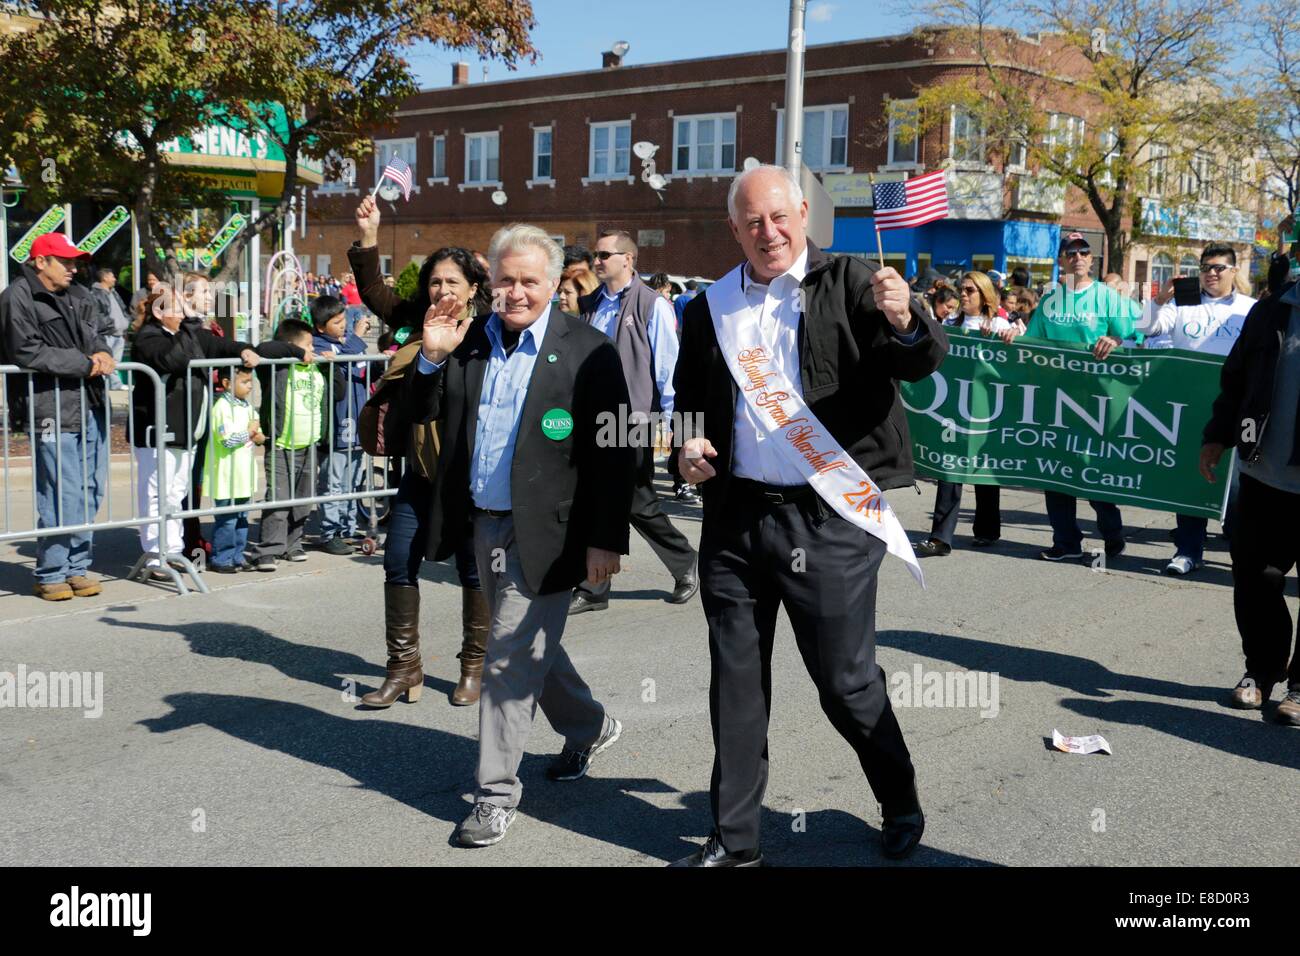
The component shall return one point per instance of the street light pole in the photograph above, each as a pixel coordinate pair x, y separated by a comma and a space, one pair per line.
792, 151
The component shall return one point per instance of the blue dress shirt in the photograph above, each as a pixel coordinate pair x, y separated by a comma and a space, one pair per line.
500, 405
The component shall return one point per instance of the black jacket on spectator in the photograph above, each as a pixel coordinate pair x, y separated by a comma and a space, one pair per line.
185, 389
1245, 399
53, 333
850, 363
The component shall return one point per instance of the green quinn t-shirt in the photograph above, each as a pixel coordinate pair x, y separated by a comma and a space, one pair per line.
304, 396
1081, 318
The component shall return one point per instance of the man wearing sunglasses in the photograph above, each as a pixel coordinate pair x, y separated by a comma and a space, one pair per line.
1084, 313
1213, 325
644, 329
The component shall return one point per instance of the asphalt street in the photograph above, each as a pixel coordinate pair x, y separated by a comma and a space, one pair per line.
228, 734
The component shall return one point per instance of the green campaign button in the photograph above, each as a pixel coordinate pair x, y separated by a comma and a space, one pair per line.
557, 424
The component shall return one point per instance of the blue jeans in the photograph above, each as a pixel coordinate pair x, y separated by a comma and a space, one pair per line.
1066, 533
229, 534
351, 314
408, 537
76, 501
1190, 532
341, 472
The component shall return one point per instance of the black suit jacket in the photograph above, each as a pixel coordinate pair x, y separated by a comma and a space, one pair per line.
850, 363
566, 495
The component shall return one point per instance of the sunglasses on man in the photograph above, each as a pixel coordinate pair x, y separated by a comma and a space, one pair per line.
1078, 254
602, 255
1218, 268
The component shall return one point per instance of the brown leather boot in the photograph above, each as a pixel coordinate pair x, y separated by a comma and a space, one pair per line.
402, 634
476, 621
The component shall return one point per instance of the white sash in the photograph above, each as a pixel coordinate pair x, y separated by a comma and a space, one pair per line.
803, 440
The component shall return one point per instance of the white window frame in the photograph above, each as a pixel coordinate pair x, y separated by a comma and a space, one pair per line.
384, 148
386, 266
1073, 127
966, 163
323, 263
828, 136
692, 170
1157, 170
538, 179
891, 161
1017, 159
435, 179
487, 136
612, 152
1203, 170
1108, 139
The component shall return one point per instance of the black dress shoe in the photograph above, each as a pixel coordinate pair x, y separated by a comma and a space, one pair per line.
685, 589
582, 602
900, 835
933, 548
984, 542
713, 853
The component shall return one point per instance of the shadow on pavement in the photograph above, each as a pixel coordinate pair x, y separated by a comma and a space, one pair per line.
430, 769
313, 665
1234, 735
1078, 674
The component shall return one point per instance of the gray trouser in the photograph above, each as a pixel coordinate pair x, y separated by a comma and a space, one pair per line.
526, 667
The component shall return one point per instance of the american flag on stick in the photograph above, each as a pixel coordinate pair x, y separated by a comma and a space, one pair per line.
399, 172
914, 202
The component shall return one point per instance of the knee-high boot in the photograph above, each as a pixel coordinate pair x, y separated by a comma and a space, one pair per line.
402, 635
476, 621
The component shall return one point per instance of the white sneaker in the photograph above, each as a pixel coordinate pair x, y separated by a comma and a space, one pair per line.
1181, 565
486, 824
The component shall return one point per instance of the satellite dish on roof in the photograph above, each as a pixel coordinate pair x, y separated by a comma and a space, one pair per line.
620, 48
499, 197
644, 149
657, 181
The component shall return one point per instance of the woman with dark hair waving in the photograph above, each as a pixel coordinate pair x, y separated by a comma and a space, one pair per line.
450, 271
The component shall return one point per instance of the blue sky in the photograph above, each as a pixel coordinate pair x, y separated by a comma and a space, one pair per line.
571, 34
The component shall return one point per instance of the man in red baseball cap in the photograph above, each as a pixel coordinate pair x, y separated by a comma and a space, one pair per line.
52, 326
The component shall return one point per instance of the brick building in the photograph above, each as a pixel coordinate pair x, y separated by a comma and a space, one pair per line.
560, 149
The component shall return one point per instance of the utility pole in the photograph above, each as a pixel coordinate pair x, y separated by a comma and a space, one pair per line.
792, 151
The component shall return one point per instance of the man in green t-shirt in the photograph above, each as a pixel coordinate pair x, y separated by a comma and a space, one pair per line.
1082, 312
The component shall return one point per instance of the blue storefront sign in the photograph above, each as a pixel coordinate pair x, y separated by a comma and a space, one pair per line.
953, 242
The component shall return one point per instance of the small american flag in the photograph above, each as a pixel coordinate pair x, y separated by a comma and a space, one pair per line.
399, 172
911, 203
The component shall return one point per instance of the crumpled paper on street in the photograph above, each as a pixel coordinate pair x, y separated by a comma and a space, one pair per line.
1080, 745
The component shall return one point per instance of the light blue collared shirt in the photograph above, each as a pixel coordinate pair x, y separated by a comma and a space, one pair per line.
661, 329
500, 405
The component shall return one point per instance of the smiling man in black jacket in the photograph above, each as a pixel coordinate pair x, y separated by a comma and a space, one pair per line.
839, 334
519, 396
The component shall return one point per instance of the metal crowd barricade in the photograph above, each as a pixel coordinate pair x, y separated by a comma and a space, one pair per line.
380, 475
48, 432
374, 492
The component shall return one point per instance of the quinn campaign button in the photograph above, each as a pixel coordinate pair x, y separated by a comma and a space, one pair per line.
552, 358
557, 424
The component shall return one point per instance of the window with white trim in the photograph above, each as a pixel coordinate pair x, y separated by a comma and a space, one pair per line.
965, 137
482, 158
1109, 147
542, 153
1202, 184
440, 157
610, 150
385, 265
825, 136
1064, 129
902, 147
1189, 266
704, 144
386, 149
1157, 169
1162, 269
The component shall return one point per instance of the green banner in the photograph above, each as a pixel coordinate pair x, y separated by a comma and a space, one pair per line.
224, 237
48, 221
1037, 415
